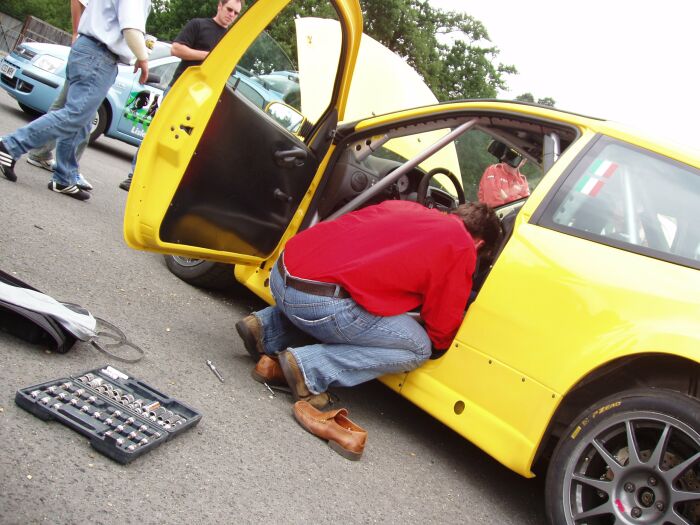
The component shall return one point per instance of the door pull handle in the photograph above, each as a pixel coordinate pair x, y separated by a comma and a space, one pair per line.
281, 196
292, 158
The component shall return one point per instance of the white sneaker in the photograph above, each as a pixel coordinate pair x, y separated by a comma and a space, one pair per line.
82, 183
48, 165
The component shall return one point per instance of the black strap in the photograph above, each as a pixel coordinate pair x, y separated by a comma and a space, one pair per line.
116, 335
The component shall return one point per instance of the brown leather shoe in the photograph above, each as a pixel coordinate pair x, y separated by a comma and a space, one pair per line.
268, 371
295, 380
343, 436
250, 330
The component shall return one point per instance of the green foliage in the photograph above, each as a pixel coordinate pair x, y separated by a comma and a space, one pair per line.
473, 158
444, 47
528, 97
168, 17
450, 50
55, 12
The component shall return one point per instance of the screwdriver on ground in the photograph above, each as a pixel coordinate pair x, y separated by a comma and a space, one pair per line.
213, 369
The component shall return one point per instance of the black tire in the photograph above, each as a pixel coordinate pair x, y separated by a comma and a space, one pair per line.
29, 111
201, 273
631, 459
99, 124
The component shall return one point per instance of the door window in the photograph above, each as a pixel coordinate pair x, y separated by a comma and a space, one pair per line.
367, 170
633, 199
293, 62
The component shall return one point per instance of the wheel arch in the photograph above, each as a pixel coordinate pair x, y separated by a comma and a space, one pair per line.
110, 114
103, 125
657, 370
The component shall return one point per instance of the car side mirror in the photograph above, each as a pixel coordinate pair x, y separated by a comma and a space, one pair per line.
288, 117
153, 80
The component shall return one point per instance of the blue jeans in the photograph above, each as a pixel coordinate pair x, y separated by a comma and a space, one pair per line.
90, 72
45, 152
355, 345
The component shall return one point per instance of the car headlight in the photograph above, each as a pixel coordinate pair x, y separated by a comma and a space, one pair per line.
49, 63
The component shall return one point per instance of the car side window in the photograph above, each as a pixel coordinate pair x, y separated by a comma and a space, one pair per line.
165, 73
293, 64
469, 158
630, 198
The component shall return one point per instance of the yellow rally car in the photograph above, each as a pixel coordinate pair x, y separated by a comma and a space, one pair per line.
580, 354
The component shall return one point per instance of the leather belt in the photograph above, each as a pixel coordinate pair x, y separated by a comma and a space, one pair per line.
102, 45
312, 287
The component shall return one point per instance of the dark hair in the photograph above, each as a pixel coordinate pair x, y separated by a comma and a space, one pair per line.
481, 222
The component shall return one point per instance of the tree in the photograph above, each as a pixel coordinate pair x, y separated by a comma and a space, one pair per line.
528, 97
55, 12
444, 47
168, 17
450, 50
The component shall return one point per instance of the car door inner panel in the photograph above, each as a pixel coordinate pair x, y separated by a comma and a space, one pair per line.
242, 185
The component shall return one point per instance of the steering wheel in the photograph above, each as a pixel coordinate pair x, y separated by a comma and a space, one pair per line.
422, 192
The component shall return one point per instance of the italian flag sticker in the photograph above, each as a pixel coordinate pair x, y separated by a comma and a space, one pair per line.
592, 182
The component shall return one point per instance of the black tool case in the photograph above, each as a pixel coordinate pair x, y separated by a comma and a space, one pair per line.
123, 417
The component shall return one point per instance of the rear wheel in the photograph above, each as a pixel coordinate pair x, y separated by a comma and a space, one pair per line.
201, 273
99, 124
630, 459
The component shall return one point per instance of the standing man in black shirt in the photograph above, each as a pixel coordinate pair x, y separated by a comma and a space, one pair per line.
192, 45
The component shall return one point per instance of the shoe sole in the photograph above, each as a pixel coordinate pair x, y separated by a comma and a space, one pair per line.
80, 195
347, 454
249, 341
12, 177
266, 381
334, 445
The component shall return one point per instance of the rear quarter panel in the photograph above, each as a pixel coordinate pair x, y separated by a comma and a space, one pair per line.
554, 308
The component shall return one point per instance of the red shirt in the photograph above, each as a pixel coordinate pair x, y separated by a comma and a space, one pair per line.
392, 258
500, 186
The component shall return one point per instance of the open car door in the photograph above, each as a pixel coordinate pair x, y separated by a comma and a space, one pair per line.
218, 177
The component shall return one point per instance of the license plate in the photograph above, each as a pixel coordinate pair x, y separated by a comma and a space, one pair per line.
7, 70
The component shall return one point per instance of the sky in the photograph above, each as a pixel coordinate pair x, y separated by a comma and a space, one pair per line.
634, 62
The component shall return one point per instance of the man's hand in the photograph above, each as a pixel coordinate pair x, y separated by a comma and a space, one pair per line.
143, 66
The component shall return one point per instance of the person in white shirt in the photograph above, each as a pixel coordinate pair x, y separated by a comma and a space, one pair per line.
110, 31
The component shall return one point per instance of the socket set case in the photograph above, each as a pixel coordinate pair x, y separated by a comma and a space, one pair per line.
123, 417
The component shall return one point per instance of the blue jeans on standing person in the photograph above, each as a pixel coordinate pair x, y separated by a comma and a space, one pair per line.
355, 346
90, 72
45, 153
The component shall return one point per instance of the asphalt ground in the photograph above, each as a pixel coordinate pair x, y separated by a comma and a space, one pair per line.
247, 461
